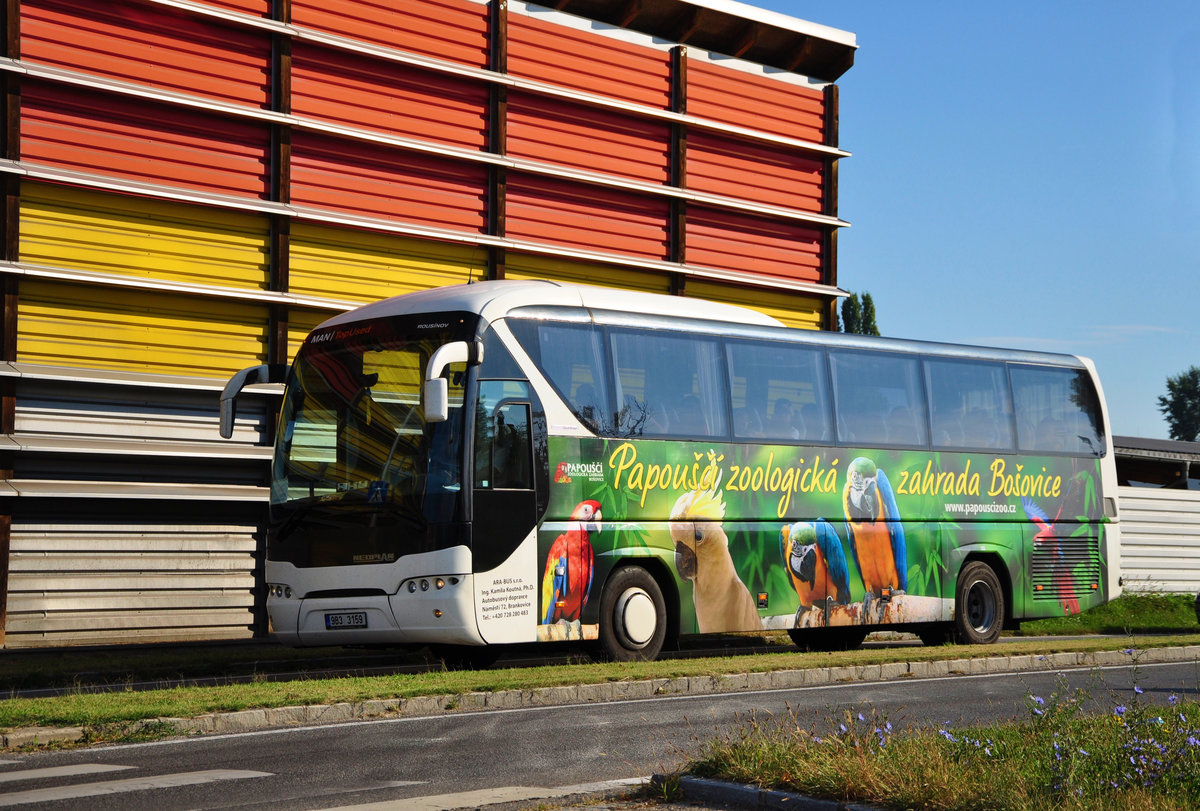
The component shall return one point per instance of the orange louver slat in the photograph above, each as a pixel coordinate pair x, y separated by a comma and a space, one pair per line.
454, 30
80, 129
376, 181
758, 102
357, 91
761, 245
257, 8
588, 62
586, 217
761, 173
150, 45
587, 138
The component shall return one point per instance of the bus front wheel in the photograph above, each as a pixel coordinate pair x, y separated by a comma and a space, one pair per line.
978, 605
633, 616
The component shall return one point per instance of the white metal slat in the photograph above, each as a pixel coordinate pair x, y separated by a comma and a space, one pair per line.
1160, 539
87, 584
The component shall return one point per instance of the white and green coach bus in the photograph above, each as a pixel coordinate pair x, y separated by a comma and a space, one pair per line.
514, 461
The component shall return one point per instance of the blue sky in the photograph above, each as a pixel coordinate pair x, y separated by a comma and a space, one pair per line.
1027, 174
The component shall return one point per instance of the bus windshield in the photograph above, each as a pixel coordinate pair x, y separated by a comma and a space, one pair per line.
354, 448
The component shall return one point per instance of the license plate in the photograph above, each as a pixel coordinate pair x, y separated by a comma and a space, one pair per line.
349, 619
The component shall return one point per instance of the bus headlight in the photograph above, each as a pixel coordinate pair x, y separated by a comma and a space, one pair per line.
279, 591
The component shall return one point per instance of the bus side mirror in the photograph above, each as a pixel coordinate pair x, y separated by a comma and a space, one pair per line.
437, 400
436, 391
265, 373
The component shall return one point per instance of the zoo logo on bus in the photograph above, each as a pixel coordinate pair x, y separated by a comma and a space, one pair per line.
566, 472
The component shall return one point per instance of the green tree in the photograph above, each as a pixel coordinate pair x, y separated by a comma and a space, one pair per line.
867, 326
1181, 405
851, 314
858, 315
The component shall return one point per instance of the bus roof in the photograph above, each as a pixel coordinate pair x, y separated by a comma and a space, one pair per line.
496, 299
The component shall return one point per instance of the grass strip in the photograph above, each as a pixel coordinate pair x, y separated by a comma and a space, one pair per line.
1135, 755
89, 709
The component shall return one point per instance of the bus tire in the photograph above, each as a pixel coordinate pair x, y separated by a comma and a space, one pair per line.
978, 605
827, 639
633, 616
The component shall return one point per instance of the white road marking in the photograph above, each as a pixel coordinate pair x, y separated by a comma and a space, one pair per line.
489, 796
59, 771
46, 795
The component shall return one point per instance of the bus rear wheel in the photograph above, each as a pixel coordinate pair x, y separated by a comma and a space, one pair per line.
978, 605
633, 616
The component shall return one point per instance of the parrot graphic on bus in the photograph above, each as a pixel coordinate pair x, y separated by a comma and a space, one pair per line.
1048, 537
569, 566
876, 533
816, 564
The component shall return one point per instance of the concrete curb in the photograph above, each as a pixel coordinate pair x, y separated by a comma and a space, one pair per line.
250, 720
736, 795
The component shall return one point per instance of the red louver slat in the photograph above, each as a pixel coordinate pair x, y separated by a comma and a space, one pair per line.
760, 173
149, 45
257, 8
357, 91
587, 138
760, 245
587, 62
375, 181
748, 100
454, 30
586, 217
77, 129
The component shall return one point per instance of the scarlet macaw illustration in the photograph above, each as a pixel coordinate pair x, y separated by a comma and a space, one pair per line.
568, 577
875, 531
816, 563
1047, 535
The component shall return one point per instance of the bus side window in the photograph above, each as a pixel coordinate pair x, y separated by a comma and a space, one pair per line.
503, 431
971, 408
880, 399
778, 390
1058, 410
510, 456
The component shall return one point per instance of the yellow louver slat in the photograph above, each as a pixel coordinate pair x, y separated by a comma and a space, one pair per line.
300, 323
131, 330
559, 270
109, 233
360, 266
793, 309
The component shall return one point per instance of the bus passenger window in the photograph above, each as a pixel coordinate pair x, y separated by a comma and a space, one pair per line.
669, 384
971, 408
779, 391
879, 399
572, 358
1058, 411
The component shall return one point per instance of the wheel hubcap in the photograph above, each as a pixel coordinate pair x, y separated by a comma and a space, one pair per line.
981, 607
635, 612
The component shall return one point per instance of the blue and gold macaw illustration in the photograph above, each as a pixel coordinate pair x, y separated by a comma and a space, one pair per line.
816, 564
875, 531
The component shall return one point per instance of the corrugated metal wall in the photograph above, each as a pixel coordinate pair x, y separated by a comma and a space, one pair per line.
195, 185
1160, 539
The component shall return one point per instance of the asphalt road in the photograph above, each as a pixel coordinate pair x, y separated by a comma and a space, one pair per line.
444, 761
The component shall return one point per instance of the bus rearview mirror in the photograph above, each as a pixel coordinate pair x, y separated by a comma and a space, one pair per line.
436, 391
437, 400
